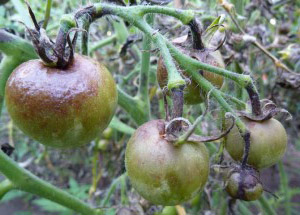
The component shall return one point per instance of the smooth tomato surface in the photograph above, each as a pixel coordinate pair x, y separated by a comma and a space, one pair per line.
159, 171
268, 143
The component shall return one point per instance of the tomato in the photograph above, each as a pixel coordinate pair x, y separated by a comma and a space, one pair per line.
162, 173
268, 143
193, 94
244, 185
61, 108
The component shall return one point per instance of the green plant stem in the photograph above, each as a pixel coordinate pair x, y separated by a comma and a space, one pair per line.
47, 13
120, 126
26, 181
16, 51
235, 100
12, 45
121, 30
6, 67
183, 59
268, 209
84, 23
185, 16
5, 187
133, 106
143, 93
102, 43
208, 87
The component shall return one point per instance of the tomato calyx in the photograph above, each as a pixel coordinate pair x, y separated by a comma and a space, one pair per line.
269, 110
53, 54
186, 134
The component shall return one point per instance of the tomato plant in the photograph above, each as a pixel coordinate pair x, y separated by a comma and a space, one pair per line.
149, 147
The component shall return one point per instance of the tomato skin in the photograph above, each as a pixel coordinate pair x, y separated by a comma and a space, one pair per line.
162, 173
193, 94
61, 108
268, 143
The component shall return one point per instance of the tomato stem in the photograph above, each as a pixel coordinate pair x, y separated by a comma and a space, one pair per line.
47, 13
196, 34
5, 186
254, 99
84, 23
246, 137
143, 93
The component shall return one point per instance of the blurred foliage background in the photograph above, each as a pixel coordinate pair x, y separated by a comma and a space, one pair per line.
96, 173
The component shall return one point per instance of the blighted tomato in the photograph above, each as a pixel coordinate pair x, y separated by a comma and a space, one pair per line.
162, 173
268, 143
61, 108
193, 94
244, 185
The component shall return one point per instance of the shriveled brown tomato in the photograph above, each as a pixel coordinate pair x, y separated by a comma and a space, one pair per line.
268, 143
61, 108
163, 173
193, 94
244, 184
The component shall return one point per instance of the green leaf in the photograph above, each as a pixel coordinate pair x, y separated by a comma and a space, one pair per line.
211, 30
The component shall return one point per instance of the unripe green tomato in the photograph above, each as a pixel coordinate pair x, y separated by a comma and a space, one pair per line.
245, 187
268, 143
61, 108
193, 93
107, 133
169, 210
102, 144
162, 173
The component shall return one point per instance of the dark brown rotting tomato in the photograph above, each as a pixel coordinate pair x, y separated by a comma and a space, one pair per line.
62, 107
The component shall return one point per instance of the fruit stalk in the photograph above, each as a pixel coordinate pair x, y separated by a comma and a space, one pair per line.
143, 93
5, 187
66, 23
47, 13
254, 99
84, 23
196, 34
246, 137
